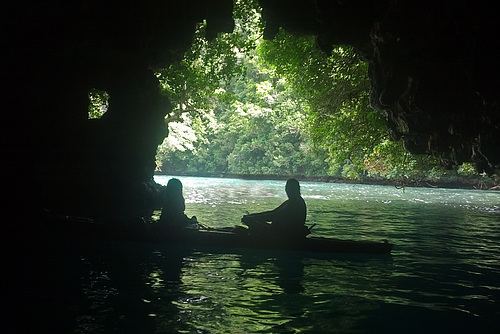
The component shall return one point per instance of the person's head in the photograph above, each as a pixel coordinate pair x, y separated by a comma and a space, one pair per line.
292, 188
174, 187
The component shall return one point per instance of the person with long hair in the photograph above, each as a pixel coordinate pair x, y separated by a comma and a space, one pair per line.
174, 205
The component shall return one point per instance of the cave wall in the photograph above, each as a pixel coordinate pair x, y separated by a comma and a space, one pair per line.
55, 52
431, 65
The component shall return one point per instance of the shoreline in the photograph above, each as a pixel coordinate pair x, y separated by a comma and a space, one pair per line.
424, 183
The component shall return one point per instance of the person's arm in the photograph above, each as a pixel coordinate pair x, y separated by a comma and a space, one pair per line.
265, 216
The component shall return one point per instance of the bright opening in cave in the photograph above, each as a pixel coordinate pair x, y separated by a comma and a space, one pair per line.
99, 103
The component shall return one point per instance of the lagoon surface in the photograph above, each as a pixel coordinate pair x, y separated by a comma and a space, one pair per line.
443, 275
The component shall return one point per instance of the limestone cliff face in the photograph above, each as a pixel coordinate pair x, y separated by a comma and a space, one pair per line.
432, 67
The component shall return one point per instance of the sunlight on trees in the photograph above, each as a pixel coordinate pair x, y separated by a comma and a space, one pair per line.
244, 105
98, 103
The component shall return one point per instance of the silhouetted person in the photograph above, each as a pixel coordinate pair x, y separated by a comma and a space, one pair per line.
172, 214
287, 220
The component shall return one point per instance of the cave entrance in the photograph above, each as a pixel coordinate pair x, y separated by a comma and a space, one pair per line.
245, 105
98, 103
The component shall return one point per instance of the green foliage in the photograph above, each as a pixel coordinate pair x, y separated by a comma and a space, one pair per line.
467, 169
98, 103
247, 120
257, 132
194, 84
282, 107
335, 87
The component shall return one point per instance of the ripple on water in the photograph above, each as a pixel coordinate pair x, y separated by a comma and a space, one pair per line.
444, 264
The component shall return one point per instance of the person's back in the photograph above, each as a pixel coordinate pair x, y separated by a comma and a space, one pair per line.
172, 214
173, 209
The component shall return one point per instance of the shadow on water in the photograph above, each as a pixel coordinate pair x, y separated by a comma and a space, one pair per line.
289, 270
40, 288
143, 284
75, 286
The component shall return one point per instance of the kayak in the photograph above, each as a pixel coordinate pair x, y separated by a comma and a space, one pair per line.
228, 238
215, 238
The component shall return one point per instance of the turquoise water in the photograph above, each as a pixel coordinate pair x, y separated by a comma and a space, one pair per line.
443, 275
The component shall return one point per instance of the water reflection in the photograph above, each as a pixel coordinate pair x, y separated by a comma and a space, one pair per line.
290, 274
245, 292
444, 264
272, 292
129, 288
443, 275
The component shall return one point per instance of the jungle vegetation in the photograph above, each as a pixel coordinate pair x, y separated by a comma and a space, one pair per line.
248, 106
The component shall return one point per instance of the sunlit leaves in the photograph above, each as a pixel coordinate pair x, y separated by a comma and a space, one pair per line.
195, 85
98, 103
336, 89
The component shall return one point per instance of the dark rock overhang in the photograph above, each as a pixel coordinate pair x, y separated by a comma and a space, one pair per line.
54, 52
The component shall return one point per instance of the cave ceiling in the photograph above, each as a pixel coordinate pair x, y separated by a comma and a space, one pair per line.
432, 67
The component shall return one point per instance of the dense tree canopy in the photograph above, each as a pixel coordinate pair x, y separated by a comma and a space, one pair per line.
244, 105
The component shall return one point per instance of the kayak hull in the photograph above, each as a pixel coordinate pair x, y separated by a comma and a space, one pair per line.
220, 238
307, 244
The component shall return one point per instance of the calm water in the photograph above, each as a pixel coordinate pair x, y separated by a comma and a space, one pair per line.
443, 275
